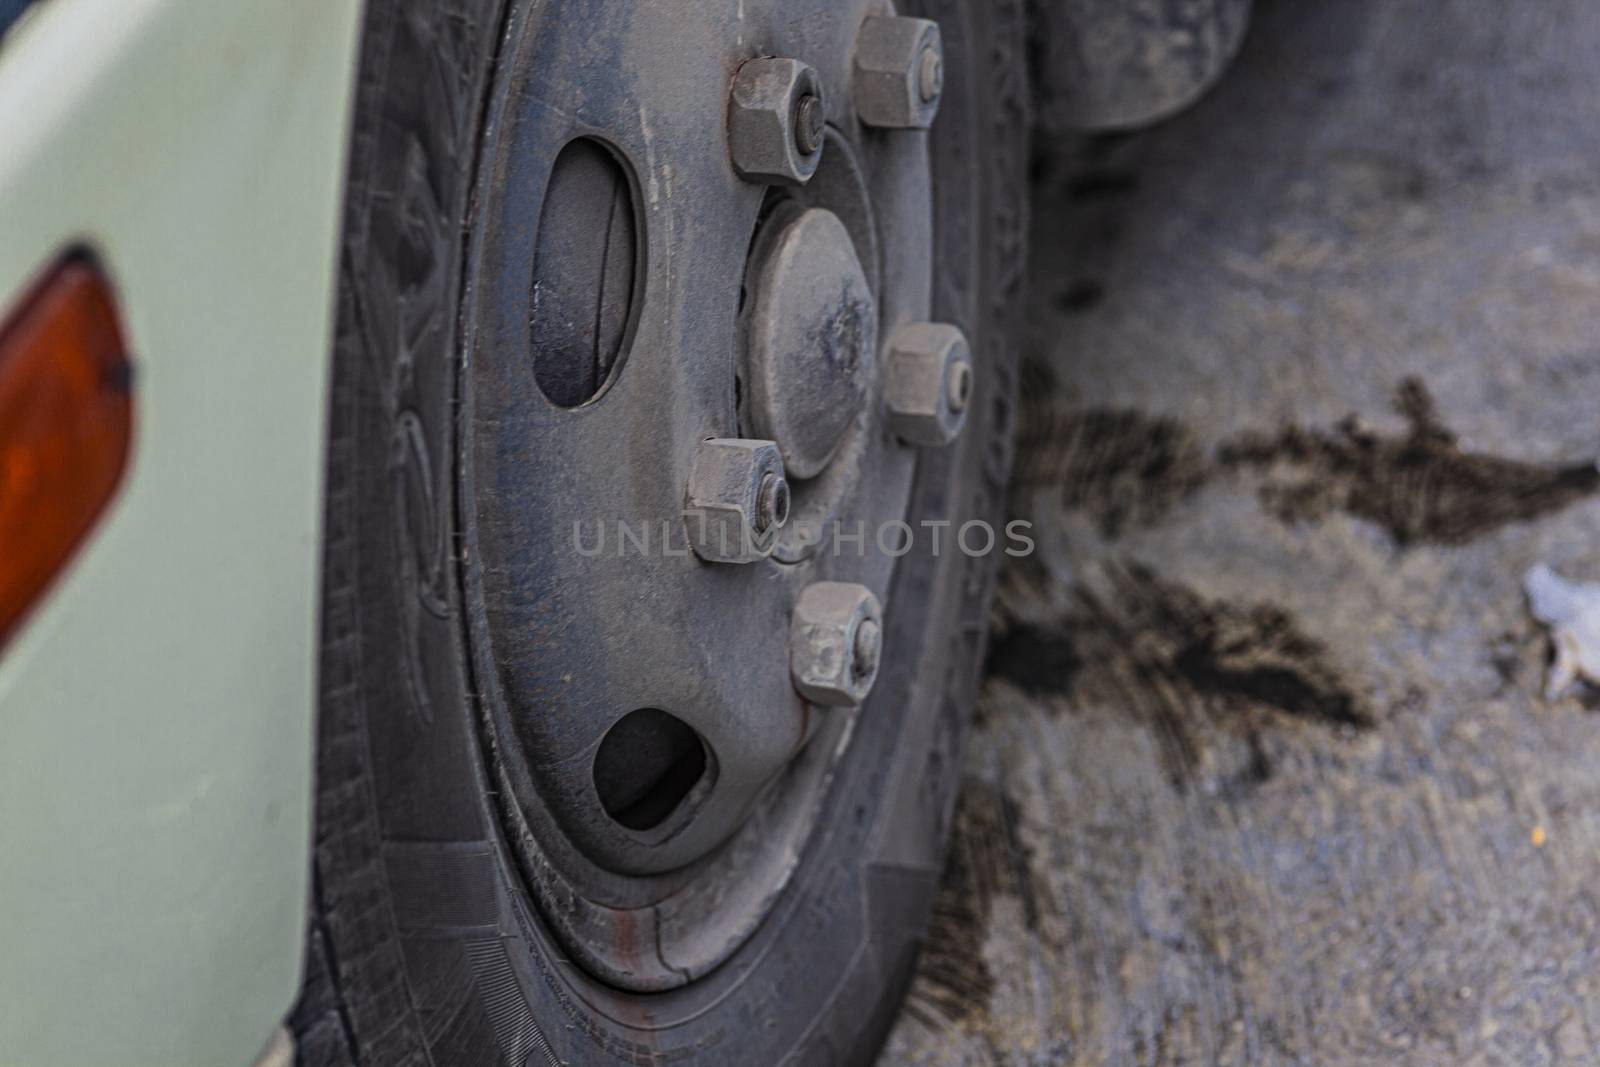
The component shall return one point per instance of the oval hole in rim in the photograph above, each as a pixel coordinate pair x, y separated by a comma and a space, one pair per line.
586, 273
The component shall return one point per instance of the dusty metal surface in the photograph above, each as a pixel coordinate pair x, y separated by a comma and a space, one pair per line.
1263, 773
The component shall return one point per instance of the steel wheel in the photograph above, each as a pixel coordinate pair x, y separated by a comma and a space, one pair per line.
627, 687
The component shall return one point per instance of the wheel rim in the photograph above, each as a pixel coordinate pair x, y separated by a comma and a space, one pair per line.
658, 772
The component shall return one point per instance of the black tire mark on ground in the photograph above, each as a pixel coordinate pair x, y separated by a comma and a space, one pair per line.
1121, 466
1127, 468
1210, 677
987, 859
1420, 486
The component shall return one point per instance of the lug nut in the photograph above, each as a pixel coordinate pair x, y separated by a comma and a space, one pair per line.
899, 72
835, 643
776, 116
737, 499
929, 384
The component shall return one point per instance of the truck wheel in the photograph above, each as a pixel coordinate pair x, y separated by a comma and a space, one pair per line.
672, 389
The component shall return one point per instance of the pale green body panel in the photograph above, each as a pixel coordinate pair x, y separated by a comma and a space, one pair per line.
156, 711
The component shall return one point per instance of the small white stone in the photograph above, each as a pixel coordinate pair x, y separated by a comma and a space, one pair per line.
1572, 612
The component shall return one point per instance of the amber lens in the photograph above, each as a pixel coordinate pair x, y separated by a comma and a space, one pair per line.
66, 418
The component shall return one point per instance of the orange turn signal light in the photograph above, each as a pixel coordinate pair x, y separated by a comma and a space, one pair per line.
66, 421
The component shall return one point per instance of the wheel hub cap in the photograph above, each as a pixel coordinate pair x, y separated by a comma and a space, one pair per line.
812, 337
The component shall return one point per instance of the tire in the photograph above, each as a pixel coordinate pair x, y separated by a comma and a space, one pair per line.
1108, 65
424, 945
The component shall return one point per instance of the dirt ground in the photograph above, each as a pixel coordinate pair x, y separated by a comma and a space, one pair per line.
1262, 772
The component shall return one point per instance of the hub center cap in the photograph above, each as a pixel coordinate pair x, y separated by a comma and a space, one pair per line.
812, 333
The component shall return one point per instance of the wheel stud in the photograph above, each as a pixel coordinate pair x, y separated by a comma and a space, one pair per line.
929, 383
772, 503
899, 72
868, 646
930, 74
736, 501
835, 643
776, 119
809, 120
960, 386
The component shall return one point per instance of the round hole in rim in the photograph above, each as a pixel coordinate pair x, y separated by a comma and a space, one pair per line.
586, 273
647, 764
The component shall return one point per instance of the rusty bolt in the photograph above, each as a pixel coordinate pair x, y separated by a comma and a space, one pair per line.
899, 72
929, 383
737, 499
835, 642
775, 121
